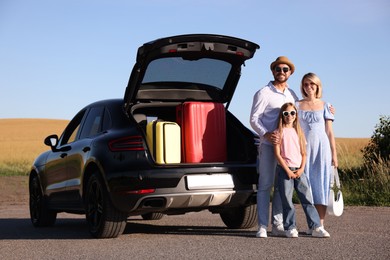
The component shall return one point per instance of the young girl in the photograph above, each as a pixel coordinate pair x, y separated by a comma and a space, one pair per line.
291, 156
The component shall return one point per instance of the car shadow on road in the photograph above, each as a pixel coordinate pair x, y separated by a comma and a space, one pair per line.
69, 228
23, 229
155, 228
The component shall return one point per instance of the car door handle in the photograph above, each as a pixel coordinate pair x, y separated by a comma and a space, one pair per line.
86, 149
63, 155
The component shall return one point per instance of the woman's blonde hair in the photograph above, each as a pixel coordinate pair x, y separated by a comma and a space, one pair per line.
296, 125
314, 79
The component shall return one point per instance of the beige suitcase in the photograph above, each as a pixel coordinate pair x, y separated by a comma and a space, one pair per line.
164, 141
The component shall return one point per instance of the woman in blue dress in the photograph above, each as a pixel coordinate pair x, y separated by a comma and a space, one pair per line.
316, 121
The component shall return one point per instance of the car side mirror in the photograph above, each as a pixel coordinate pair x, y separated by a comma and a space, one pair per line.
52, 141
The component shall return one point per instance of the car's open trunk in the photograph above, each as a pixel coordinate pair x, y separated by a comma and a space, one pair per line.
240, 142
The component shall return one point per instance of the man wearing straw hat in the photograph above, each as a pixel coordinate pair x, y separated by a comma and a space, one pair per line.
265, 109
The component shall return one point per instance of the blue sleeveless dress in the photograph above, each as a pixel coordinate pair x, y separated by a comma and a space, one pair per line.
319, 155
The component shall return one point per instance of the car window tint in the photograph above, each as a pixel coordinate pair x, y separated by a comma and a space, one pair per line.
106, 120
93, 122
72, 137
72, 129
175, 69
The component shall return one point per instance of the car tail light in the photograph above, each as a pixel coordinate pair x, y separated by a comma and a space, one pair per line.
129, 143
144, 191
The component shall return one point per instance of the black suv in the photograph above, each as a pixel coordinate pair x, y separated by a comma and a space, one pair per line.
105, 162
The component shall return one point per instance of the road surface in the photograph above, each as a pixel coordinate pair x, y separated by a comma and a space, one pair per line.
360, 233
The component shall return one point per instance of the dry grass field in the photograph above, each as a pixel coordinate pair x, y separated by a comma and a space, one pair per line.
22, 140
349, 151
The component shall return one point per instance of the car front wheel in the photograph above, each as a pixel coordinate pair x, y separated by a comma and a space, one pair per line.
240, 217
40, 214
104, 221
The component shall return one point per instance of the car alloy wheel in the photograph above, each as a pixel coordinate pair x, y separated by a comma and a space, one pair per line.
95, 205
103, 219
40, 215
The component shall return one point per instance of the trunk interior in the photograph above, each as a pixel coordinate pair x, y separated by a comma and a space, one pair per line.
240, 141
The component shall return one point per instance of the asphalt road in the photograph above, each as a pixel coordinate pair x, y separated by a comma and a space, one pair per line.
360, 233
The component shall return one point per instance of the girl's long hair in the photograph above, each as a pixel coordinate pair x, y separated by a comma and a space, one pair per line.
296, 125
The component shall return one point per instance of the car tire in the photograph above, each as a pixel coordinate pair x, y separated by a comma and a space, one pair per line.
152, 216
40, 214
104, 221
241, 217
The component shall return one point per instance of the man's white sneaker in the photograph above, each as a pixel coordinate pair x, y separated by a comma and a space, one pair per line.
262, 232
278, 231
292, 233
320, 232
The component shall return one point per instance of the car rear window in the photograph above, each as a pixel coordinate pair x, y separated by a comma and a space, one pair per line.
203, 71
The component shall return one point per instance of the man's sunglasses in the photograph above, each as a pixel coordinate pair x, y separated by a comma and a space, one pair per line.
286, 113
279, 69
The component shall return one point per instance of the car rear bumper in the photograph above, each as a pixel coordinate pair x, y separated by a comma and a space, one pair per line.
172, 193
179, 203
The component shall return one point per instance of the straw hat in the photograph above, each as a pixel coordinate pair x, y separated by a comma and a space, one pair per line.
283, 60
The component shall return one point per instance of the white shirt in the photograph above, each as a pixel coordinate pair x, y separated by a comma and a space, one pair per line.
265, 108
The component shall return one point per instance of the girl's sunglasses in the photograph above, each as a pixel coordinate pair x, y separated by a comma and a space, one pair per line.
279, 69
286, 113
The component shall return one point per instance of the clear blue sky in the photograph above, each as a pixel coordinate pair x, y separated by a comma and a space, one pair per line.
58, 56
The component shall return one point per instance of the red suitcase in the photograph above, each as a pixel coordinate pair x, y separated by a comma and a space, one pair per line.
203, 127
